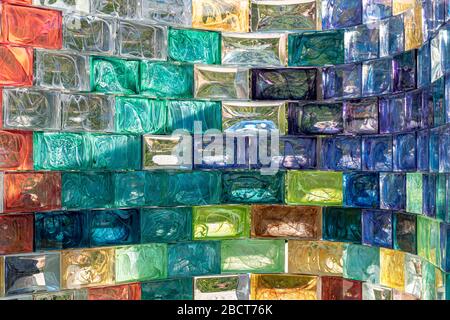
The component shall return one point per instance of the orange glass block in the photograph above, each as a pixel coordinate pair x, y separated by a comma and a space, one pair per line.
337, 288
16, 66
16, 233
32, 26
392, 269
413, 22
16, 150
31, 191
131, 291
283, 287
223, 15
315, 257
18, 1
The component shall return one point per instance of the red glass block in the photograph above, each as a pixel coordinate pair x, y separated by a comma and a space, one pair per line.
352, 289
16, 233
16, 66
16, 150
130, 291
336, 288
31, 191
31, 26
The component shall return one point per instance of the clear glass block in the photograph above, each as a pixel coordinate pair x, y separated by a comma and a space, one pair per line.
171, 12
82, 6
127, 9
361, 42
167, 152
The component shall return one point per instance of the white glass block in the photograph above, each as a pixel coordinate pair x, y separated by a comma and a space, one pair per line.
437, 53
82, 6
87, 112
167, 152
216, 82
375, 292
28, 109
170, 12
228, 287
254, 49
61, 70
137, 40
128, 9
89, 34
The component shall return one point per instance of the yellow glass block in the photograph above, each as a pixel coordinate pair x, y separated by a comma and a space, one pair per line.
413, 28
392, 269
2, 276
399, 6
315, 257
283, 287
440, 284
222, 15
87, 267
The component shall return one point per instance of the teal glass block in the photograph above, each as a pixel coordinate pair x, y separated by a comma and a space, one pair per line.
129, 189
361, 263
316, 48
428, 281
183, 114
116, 151
156, 188
260, 256
113, 75
171, 289
87, 190
140, 116
166, 79
61, 151
195, 46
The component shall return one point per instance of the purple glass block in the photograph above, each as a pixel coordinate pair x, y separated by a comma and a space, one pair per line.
404, 70
377, 153
444, 149
392, 114
343, 81
423, 150
298, 152
361, 116
429, 195
361, 189
392, 191
377, 77
423, 66
413, 103
392, 36
341, 153
438, 93
374, 10
426, 112
338, 14
361, 42
405, 152
447, 99
315, 118
377, 228
435, 140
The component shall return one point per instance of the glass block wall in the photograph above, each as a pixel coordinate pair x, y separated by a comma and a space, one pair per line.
115, 185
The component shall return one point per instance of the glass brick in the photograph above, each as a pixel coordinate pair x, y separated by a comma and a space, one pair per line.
298, 152
113, 75
392, 37
315, 118
404, 152
341, 224
361, 189
341, 153
170, 12
377, 153
377, 228
183, 113
361, 43
343, 81
360, 116
341, 13
167, 152
376, 77
392, 191
224, 15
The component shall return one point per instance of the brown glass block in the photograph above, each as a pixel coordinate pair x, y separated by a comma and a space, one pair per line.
130, 291
16, 150
16, 233
16, 66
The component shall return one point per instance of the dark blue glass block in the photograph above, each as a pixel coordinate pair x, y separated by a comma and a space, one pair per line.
170, 289
404, 232
374, 10
439, 114
315, 118
194, 258
427, 109
413, 104
361, 43
113, 227
343, 81
423, 65
284, 84
405, 152
429, 195
361, 189
392, 38
61, 230
444, 149
435, 141
423, 150
377, 228
377, 77
445, 246
392, 114
377, 153
166, 224
361, 116
341, 153
298, 152
341, 224
392, 191
129, 189
404, 66
338, 14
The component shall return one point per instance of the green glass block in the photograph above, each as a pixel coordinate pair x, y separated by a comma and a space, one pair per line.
428, 281
114, 75
166, 79
221, 222
428, 240
361, 263
61, 151
183, 114
314, 187
140, 116
116, 151
196, 46
414, 195
141, 262
170, 289
442, 206
258, 256
316, 48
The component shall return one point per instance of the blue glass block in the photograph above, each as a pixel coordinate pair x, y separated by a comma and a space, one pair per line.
61, 230
129, 189
438, 17
183, 113
447, 99
445, 246
194, 258
404, 69
404, 232
298, 152
392, 114
423, 65
423, 150
166, 224
444, 149
405, 152
116, 152
377, 153
361, 116
361, 189
435, 141
392, 38
438, 92
361, 263
413, 104
444, 35
341, 153
392, 191
113, 227
429, 195
170, 289
341, 13
427, 16
377, 77
86, 190
341, 224
427, 110
315, 118
343, 81
374, 10
361, 43
377, 228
